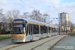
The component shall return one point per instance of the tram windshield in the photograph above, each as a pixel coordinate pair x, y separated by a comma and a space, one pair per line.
18, 29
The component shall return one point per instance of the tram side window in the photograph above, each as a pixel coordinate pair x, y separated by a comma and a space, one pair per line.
41, 27
56, 29
53, 29
40, 30
27, 30
36, 29
30, 29
50, 29
45, 29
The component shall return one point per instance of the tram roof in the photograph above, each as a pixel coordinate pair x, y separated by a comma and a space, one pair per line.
32, 20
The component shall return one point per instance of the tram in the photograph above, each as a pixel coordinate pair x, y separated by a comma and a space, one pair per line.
24, 30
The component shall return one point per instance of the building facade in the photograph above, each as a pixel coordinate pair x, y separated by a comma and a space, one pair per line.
64, 21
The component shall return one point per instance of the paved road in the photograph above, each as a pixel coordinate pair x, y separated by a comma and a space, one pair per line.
67, 43
5, 42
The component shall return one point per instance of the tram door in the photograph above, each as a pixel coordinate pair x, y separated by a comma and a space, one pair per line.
35, 32
29, 32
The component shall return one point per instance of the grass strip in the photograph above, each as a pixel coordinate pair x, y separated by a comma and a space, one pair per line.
5, 36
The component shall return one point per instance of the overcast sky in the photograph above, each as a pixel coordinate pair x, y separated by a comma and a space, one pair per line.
44, 6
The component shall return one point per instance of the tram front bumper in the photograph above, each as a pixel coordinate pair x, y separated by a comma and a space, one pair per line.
18, 39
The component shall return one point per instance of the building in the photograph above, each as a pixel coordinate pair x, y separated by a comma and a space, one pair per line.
64, 21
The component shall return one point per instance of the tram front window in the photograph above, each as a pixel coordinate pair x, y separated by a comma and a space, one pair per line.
18, 29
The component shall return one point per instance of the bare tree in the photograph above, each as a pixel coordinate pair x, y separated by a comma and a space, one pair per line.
1, 10
26, 15
3, 21
72, 26
45, 16
36, 15
15, 13
10, 19
4, 18
9, 16
12, 15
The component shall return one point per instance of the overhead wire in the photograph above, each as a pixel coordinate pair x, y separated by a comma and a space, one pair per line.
54, 6
28, 4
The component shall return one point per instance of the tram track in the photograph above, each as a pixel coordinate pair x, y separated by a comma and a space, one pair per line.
5, 46
8, 47
22, 44
42, 43
13, 45
18, 45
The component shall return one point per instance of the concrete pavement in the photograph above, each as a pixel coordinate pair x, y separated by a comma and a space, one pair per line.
49, 44
43, 44
39, 45
67, 43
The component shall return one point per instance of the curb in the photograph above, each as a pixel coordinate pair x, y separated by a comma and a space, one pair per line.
55, 43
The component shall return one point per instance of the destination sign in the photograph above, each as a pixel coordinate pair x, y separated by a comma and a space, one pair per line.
17, 21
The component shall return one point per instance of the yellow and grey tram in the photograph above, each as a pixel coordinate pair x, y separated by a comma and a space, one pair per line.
24, 30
